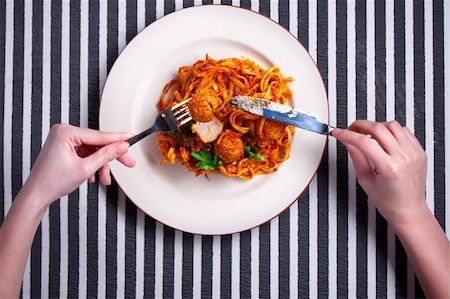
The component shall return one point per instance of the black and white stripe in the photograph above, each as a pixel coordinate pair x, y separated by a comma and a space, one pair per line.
446, 22
2, 100
322, 202
438, 109
380, 60
361, 113
36, 136
400, 116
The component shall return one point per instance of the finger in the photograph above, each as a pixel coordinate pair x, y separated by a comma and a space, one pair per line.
413, 139
104, 155
105, 175
370, 149
92, 179
377, 131
94, 137
127, 160
398, 132
360, 162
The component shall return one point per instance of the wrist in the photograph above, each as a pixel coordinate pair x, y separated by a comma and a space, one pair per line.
36, 199
415, 218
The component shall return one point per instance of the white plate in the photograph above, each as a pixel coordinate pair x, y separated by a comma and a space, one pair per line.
171, 194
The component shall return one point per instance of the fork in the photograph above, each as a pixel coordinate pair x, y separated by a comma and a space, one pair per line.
167, 120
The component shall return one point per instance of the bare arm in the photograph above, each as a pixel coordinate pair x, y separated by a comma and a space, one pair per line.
69, 157
428, 250
16, 236
393, 174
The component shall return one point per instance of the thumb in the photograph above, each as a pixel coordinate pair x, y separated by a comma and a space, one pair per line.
104, 155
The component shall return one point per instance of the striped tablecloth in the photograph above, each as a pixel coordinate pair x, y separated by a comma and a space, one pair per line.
380, 60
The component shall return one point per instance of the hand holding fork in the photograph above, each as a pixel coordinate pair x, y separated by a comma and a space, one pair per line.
167, 120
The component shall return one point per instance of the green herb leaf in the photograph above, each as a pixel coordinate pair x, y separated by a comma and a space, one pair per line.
204, 166
252, 152
259, 157
206, 162
202, 155
216, 159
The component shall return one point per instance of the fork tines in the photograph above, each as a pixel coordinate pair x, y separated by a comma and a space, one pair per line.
181, 112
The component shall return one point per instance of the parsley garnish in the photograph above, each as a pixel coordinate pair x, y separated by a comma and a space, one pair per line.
206, 162
252, 152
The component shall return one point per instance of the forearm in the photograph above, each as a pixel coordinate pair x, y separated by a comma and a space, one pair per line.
428, 249
16, 237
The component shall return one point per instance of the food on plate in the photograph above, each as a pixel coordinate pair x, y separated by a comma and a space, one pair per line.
229, 146
202, 107
208, 131
221, 138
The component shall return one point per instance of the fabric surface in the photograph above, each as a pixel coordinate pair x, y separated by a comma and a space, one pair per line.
380, 60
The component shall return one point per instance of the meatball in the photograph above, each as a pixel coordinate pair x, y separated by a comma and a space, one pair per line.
229, 147
202, 107
273, 130
208, 131
200, 110
213, 100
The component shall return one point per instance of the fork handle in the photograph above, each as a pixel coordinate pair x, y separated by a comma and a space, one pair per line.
141, 135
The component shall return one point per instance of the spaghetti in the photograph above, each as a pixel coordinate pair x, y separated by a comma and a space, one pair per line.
226, 140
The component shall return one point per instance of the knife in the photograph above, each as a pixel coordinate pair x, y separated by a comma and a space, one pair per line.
281, 113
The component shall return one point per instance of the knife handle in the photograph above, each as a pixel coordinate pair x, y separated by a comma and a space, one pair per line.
330, 129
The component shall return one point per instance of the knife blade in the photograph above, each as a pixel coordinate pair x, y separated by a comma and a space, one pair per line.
281, 113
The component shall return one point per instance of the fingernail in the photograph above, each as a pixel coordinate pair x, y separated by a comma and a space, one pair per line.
121, 148
133, 163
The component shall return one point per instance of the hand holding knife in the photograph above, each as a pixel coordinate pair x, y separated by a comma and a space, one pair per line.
284, 114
